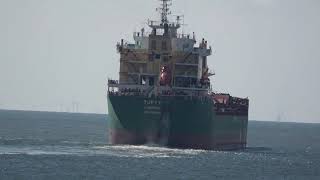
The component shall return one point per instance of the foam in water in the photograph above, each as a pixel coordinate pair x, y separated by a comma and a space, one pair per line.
147, 151
117, 151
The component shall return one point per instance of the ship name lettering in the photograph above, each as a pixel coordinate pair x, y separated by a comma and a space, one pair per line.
151, 102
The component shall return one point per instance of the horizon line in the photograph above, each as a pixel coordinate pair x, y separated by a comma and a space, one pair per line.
64, 112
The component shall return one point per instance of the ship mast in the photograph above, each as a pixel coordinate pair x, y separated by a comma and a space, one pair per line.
164, 10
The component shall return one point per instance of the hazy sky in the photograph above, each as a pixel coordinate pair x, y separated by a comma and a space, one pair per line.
56, 52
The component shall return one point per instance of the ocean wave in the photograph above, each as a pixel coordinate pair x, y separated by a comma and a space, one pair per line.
43, 142
32, 152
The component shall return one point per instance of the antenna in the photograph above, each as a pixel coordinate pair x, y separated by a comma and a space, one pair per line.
180, 18
164, 10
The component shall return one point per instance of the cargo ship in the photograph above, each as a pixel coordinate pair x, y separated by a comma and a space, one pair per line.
164, 94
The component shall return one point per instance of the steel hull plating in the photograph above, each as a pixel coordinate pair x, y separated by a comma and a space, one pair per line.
179, 122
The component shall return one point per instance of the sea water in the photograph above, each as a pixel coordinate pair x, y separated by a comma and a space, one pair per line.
43, 145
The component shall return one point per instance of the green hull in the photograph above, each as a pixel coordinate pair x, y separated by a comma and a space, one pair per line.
179, 122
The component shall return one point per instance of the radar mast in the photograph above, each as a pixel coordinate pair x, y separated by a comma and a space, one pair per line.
169, 28
164, 10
